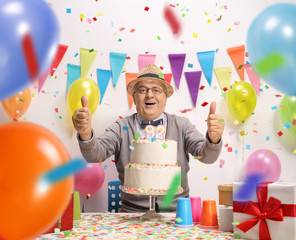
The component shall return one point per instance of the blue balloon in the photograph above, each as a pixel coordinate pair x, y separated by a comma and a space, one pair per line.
29, 33
273, 33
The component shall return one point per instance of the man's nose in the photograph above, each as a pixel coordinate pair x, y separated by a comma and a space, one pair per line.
149, 92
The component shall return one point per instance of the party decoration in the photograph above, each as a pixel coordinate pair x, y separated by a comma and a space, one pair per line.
18, 104
223, 76
28, 151
237, 55
288, 113
129, 77
177, 64
241, 100
90, 179
42, 79
193, 81
87, 57
74, 73
58, 58
271, 46
86, 87
172, 20
254, 78
117, 61
265, 163
145, 59
27, 49
206, 60
103, 77
168, 77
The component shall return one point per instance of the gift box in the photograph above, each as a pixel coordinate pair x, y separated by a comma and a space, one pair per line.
225, 194
226, 218
270, 213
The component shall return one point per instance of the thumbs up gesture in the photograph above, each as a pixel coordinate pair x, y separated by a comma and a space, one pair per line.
215, 124
82, 120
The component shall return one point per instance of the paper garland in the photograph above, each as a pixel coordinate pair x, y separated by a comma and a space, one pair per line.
87, 57
73, 74
193, 81
237, 55
117, 61
177, 64
145, 59
254, 78
129, 77
58, 58
206, 60
103, 77
223, 76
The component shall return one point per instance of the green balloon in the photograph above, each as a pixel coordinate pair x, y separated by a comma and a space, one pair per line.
288, 113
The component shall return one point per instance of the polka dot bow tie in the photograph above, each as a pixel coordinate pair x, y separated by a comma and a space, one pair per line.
144, 123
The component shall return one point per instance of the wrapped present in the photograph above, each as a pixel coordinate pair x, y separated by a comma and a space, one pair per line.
52, 228
67, 217
226, 218
225, 194
269, 214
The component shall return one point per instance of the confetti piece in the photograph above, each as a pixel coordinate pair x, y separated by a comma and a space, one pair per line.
190, 65
267, 138
101, 159
229, 149
81, 16
235, 223
164, 145
205, 179
294, 151
133, 30
60, 117
137, 135
186, 110
100, 14
270, 63
248, 147
231, 132
237, 23
171, 191
196, 157
158, 37
160, 75
131, 147
105, 167
125, 128
220, 120
274, 108
229, 29
57, 110
209, 21
204, 104
294, 122
242, 133
236, 236
201, 87
67, 233
146, 9
68, 10
195, 35
63, 171
235, 151
280, 133
287, 125
172, 20
200, 165
178, 220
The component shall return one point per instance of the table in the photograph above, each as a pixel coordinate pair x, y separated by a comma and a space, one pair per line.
129, 226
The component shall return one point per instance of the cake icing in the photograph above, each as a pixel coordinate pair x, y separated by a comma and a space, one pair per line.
152, 167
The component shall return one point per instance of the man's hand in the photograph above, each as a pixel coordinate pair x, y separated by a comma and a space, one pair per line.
82, 120
215, 124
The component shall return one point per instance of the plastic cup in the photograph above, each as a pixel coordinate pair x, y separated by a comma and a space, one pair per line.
209, 219
183, 213
196, 209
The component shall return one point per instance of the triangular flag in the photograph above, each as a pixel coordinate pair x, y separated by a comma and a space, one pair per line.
145, 59
129, 77
237, 55
193, 81
42, 79
117, 61
177, 64
223, 76
206, 60
103, 77
168, 77
87, 57
58, 58
254, 78
73, 74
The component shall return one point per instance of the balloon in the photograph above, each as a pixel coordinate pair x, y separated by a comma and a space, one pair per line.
18, 104
28, 42
90, 179
266, 163
288, 113
271, 38
87, 87
27, 208
241, 100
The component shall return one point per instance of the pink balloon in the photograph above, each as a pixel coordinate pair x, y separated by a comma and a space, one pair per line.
265, 163
90, 179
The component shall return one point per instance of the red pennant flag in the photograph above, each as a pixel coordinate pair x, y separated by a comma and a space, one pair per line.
58, 58
42, 78
168, 77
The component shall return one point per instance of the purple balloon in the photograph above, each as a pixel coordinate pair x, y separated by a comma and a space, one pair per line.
265, 163
90, 179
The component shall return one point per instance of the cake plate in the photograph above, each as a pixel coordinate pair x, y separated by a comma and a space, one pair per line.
152, 214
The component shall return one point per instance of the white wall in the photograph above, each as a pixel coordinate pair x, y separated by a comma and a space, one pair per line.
102, 36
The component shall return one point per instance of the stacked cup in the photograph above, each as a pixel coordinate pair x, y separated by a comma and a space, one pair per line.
183, 213
209, 219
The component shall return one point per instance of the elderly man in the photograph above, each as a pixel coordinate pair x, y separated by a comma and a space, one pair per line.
150, 93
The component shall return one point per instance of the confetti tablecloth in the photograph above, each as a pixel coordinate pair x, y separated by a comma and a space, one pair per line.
130, 226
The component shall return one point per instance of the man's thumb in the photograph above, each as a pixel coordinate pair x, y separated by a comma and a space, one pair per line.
212, 108
84, 101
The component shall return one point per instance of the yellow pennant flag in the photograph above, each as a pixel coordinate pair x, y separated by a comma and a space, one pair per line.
87, 56
223, 76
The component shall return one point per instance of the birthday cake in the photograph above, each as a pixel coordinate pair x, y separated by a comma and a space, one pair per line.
152, 167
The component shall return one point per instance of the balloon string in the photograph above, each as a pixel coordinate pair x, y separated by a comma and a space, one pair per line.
243, 152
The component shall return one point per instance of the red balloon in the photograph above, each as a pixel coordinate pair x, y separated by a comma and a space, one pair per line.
90, 179
27, 152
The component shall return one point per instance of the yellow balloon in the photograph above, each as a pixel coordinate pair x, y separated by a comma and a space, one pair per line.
86, 87
241, 100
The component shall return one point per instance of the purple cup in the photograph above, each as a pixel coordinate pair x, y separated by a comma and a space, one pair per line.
196, 209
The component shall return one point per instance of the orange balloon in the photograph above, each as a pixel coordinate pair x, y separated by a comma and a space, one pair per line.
18, 104
27, 152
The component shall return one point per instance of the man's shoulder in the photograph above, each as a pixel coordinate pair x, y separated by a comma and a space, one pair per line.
177, 119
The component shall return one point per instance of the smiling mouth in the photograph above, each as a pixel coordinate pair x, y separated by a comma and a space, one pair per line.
149, 104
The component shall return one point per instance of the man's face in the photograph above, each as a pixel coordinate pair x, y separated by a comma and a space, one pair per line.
152, 103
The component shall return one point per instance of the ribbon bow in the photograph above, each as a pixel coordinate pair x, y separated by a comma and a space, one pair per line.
262, 210
144, 123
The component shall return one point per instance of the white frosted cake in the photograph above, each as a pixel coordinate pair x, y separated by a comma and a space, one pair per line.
152, 167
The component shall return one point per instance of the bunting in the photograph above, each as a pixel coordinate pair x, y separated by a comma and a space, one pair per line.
103, 77
145, 59
177, 64
73, 74
206, 60
117, 61
168, 77
129, 77
223, 76
254, 78
193, 81
237, 55
87, 56
42, 79
58, 58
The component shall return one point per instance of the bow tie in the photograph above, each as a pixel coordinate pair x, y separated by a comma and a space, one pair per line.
144, 123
